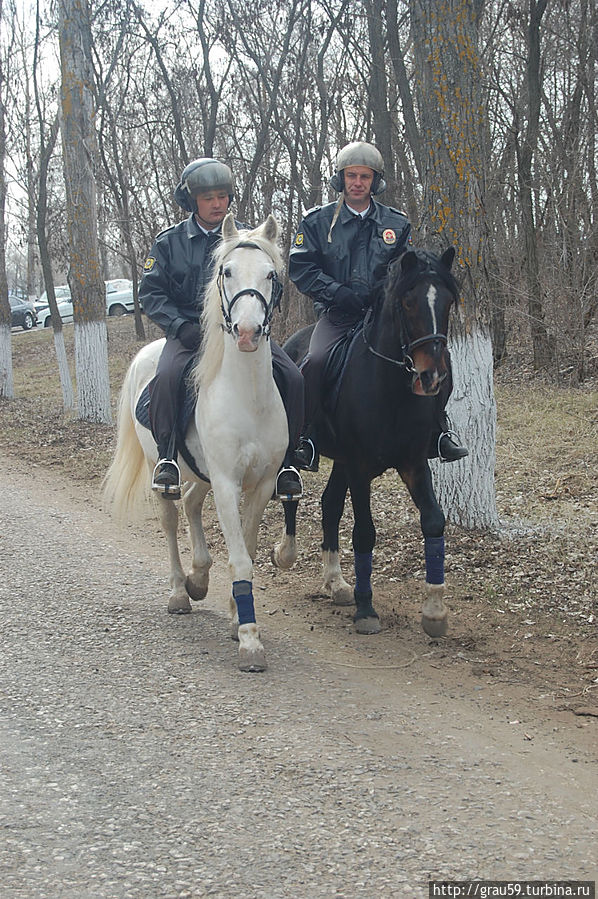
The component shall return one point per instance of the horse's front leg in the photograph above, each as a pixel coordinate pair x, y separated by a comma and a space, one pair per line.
227, 496
432, 520
333, 504
178, 601
364, 538
196, 582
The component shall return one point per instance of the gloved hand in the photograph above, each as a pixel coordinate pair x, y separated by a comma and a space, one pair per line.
345, 300
189, 335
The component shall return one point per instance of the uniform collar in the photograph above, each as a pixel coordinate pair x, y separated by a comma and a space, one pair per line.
374, 212
194, 230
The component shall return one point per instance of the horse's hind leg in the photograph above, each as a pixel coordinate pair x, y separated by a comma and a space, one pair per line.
333, 504
196, 582
284, 553
364, 538
178, 601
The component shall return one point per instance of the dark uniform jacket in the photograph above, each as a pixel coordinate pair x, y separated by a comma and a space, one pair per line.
176, 274
358, 245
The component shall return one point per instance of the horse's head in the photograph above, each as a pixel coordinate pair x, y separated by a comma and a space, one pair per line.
247, 264
420, 291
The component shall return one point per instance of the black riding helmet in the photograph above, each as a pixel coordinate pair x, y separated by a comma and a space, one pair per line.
203, 175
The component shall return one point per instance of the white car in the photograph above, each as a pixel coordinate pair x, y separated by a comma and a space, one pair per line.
119, 300
119, 296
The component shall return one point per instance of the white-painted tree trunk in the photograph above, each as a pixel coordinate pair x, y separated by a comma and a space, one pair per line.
465, 489
7, 387
68, 396
91, 365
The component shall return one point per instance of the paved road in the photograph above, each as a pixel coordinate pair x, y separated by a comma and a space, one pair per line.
136, 761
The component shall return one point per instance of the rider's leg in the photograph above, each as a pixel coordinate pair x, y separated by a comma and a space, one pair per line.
289, 381
328, 331
444, 443
163, 411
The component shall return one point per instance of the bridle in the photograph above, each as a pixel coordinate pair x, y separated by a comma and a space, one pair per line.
269, 307
407, 345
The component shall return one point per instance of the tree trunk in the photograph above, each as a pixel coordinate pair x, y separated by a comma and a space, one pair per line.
525, 156
466, 490
6, 372
445, 34
87, 287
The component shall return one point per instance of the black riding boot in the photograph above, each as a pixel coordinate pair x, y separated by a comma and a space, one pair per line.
306, 455
289, 485
444, 443
166, 478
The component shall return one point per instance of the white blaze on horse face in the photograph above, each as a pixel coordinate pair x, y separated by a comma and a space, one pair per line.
432, 304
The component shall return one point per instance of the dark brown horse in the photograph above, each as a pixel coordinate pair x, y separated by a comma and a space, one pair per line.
383, 417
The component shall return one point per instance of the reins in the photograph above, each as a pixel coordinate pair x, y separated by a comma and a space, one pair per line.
269, 307
407, 345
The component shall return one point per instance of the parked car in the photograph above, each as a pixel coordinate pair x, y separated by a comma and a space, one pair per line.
65, 307
119, 300
22, 313
119, 296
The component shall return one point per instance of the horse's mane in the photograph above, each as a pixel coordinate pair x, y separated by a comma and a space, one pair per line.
212, 346
398, 282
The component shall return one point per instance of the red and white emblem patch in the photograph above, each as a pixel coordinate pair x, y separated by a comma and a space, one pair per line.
389, 236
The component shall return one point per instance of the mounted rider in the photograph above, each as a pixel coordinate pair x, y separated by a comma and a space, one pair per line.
175, 276
335, 259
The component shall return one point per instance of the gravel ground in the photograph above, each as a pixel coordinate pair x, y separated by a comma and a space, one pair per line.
137, 761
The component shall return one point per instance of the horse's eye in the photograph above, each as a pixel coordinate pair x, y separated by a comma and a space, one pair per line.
270, 275
227, 273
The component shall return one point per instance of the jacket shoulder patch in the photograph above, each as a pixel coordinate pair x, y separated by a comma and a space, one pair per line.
149, 263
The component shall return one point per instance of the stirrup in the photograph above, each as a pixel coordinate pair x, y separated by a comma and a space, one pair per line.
307, 464
288, 497
462, 452
169, 491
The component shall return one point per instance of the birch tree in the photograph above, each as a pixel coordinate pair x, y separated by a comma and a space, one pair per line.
6, 372
445, 34
78, 143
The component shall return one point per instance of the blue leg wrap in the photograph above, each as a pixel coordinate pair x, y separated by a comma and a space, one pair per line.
243, 596
363, 572
434, 549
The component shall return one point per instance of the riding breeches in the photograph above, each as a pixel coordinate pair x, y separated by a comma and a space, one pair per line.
166, 384
329, 329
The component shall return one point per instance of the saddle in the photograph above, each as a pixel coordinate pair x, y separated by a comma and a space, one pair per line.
186, 404
335, 367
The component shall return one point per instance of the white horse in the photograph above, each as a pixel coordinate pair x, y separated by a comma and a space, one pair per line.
238, 435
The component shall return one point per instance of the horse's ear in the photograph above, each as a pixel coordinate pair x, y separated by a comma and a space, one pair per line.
408, 261
229, 229
448, 258
269, 229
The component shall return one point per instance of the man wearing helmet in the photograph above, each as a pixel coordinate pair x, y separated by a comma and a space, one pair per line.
175, 277
334, 260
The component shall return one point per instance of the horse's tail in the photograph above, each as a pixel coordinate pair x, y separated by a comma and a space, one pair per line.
126, 486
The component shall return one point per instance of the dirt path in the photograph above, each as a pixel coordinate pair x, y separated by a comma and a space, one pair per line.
138, 762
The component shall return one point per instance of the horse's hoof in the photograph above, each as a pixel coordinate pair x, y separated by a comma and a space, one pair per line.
342, 596
252, 660
197, 592
282, 560
435, 627
179, 605
368, 626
